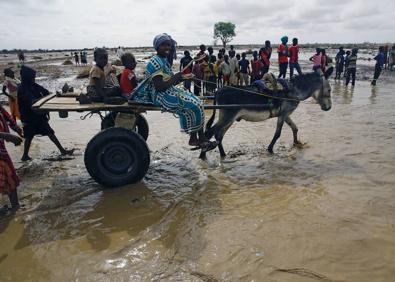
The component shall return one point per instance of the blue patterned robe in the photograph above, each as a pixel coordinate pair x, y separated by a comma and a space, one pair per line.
175, 100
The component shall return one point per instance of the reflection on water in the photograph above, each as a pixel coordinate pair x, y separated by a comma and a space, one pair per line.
323, 212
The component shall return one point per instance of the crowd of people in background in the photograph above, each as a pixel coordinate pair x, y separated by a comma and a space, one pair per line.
231, 68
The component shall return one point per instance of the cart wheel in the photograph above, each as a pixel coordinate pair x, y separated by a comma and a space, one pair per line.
116, 157
141, 127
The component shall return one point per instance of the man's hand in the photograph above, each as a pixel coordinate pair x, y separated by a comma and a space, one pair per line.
188, 76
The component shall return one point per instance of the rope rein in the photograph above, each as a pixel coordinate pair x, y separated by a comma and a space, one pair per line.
250, 91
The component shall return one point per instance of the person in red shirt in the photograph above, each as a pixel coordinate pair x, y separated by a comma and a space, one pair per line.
256, 67
265, 54
9, 180
293, 52
128, 79
282, 51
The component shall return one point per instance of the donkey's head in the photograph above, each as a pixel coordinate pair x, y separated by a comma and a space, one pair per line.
323, 95
314, 85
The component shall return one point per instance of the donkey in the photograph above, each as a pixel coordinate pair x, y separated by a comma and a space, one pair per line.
301, 87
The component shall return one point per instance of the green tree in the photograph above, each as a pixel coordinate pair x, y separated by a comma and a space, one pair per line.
225, 31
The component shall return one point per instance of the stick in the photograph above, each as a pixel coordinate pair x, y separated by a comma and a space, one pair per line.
194, 60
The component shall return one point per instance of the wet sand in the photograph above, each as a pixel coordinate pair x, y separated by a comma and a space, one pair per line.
324, 212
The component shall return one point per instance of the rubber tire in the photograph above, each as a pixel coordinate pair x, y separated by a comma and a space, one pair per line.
102, 154
141, 128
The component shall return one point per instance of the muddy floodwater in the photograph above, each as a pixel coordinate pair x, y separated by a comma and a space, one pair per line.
321, 212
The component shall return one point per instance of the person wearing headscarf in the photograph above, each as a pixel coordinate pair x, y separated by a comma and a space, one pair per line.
34, 123
283, 56
160, 88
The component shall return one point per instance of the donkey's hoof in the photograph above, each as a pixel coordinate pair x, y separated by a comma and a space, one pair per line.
270, 150
299, 144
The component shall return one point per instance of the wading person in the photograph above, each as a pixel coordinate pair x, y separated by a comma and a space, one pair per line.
348, 54
128, 80
352, 67
316, 59
282, 51
293, 52
162, 91
339, 59
34, 123
380, 59
21, 57
77, 59
11, 83
324, 60
9, 180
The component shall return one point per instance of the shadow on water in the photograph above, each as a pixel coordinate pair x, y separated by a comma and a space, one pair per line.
66, 213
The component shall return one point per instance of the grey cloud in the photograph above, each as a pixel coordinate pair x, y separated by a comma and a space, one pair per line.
71, 23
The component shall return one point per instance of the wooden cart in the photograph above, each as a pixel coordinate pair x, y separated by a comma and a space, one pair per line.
115, 156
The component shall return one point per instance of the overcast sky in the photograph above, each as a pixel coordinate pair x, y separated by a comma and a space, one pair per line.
55, 24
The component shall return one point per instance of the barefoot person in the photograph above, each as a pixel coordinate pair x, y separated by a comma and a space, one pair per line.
339, 59
294, 58
162, 91
380, 61
9, 180
352, 67
34, 123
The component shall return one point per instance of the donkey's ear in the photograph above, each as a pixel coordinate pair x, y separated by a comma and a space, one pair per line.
328, 72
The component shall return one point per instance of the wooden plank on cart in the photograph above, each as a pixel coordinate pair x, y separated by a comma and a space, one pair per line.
56, 104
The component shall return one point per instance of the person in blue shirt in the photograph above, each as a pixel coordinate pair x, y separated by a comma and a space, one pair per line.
244, 69
380, 60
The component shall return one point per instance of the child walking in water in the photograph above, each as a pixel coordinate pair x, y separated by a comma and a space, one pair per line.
34, 123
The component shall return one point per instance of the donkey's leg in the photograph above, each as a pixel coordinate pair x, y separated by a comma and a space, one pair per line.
220, 136
225, 120
280, 123
294, 128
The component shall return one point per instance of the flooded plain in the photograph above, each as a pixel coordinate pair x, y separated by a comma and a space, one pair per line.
323, 212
